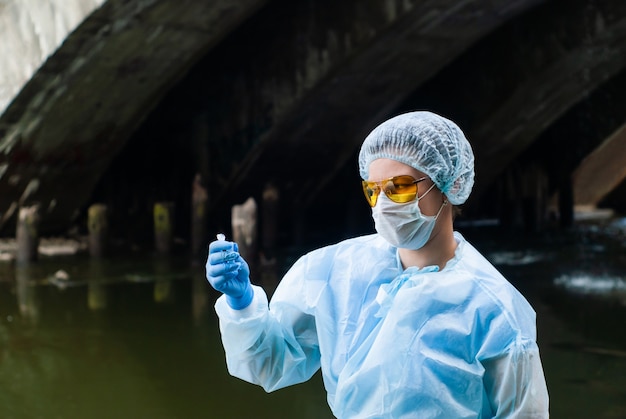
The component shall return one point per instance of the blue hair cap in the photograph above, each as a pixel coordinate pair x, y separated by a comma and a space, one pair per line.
429, 143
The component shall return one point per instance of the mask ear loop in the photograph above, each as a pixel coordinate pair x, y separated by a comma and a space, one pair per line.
425, 193
445, 202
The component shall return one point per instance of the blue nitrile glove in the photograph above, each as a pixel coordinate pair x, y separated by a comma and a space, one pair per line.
228, 273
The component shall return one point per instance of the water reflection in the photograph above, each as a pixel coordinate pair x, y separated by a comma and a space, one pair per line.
163, 290
123, 337
519, 257
26, 292
601, 285
136, 335
96, 284
199, 297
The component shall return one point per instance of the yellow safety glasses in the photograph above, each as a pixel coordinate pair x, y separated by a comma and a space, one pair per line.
399, 189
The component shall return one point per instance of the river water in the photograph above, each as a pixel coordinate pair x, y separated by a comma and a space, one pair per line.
135, 335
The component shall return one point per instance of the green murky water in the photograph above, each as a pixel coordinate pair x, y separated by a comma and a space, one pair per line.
137, 337
124, 338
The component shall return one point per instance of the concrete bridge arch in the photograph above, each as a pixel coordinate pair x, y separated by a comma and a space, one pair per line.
250, 92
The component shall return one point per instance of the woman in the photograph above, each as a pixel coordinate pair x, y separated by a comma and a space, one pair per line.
409, 322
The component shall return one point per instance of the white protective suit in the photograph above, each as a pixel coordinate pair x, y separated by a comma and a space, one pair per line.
393, 343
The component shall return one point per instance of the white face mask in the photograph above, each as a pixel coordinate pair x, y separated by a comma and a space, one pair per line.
404, 225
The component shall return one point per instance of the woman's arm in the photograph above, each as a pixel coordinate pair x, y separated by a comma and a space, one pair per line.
272, 348
515, 383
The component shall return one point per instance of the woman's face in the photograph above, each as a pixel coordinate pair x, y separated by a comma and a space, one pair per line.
381, 169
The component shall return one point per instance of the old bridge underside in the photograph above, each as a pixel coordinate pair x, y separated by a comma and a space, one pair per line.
145, 94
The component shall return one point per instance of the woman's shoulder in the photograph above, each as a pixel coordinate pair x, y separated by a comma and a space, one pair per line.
496, 292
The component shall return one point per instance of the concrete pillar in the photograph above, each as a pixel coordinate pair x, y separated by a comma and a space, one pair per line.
199, 203
98, 226
27, 234
244, 225
510, 208
535, 198
164, 226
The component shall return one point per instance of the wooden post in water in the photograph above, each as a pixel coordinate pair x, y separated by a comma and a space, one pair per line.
269, 233
244, 224
163, 226
98, 226
511, 206
27, 234
537, 201
199, 200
